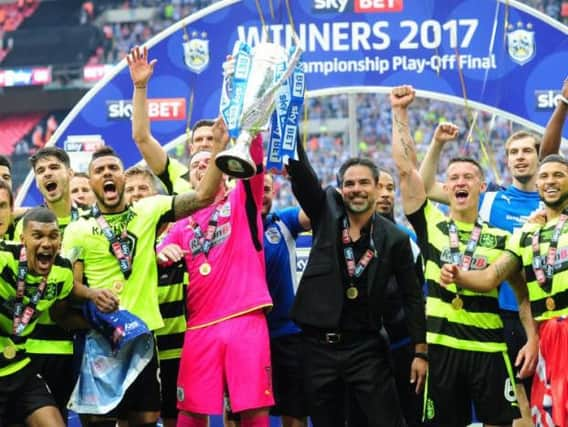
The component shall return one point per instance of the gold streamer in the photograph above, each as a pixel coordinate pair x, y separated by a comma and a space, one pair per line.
290, 17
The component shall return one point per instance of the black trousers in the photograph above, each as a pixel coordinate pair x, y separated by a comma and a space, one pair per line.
411, 403
358, 362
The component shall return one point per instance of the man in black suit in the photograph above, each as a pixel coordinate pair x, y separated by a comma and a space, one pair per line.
340, 300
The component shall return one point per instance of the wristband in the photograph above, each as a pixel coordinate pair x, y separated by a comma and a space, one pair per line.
140, 87
420, 355
562, 98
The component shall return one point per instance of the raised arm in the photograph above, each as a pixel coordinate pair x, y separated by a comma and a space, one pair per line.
553, 133
507, 265
140, 71
187, 203
305, 184
404, 150
444, 132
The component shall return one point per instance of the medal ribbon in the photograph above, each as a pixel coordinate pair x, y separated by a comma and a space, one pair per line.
233, 90
119, 244
206, 240
464, 262
544, 274
23, 315
355, 270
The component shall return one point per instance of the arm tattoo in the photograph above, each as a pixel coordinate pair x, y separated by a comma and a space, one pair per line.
402, 128
185, 204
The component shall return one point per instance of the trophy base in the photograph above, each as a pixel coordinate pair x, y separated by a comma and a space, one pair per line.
235, 166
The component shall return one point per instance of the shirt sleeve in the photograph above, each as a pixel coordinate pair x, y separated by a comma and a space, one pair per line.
67, 273
514, 244
71, 246
175, 177
290, 217
160, 208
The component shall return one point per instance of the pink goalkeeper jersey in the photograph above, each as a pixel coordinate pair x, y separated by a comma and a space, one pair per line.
236, 283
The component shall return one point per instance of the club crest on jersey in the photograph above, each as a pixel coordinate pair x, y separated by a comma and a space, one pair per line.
521, 43
225, 211
488, 241
273, 235
196, 51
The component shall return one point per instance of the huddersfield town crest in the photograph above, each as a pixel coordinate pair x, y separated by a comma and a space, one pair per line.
196, 51
521, 43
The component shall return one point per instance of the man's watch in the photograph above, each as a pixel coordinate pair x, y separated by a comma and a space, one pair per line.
421, 355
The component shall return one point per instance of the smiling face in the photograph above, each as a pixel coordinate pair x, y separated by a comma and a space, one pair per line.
522, 159
42, 241
52, 179
552, 184
359, 189
463, 186
107, 181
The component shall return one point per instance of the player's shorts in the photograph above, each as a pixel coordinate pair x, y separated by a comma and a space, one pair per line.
233, 354
458, 377
287, 377
21, 394
56, 370
168, 377
144, 394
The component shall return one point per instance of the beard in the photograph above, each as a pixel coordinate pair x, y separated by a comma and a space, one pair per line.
557, 203
356, 209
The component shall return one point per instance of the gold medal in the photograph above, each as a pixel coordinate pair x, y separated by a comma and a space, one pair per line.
9, 352
457, 303
205, 269
352, 292
118, 286
550, 304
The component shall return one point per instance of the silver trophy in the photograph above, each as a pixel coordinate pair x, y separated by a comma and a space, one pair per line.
257, 105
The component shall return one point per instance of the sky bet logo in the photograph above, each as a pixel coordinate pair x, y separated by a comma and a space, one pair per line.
546, 100
357, 6
158, 109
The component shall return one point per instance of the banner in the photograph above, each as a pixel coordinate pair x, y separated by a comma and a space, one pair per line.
28, 76
500, 56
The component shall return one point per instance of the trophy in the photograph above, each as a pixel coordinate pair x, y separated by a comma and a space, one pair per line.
248, 99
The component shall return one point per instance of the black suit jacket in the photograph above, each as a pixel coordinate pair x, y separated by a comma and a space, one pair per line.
320, 295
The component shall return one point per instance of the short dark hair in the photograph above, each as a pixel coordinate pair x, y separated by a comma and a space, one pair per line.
470, 160
357, 161
554, 158
39, 214
522, 134
104, 151
4, 186
46, 152
199, 124
5, 161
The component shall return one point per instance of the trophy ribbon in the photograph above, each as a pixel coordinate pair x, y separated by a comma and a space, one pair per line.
285, 120
233, 93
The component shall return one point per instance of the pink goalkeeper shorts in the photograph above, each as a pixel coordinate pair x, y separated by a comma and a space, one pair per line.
233, 356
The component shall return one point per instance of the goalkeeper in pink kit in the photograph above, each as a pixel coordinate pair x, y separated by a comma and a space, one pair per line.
226, 347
